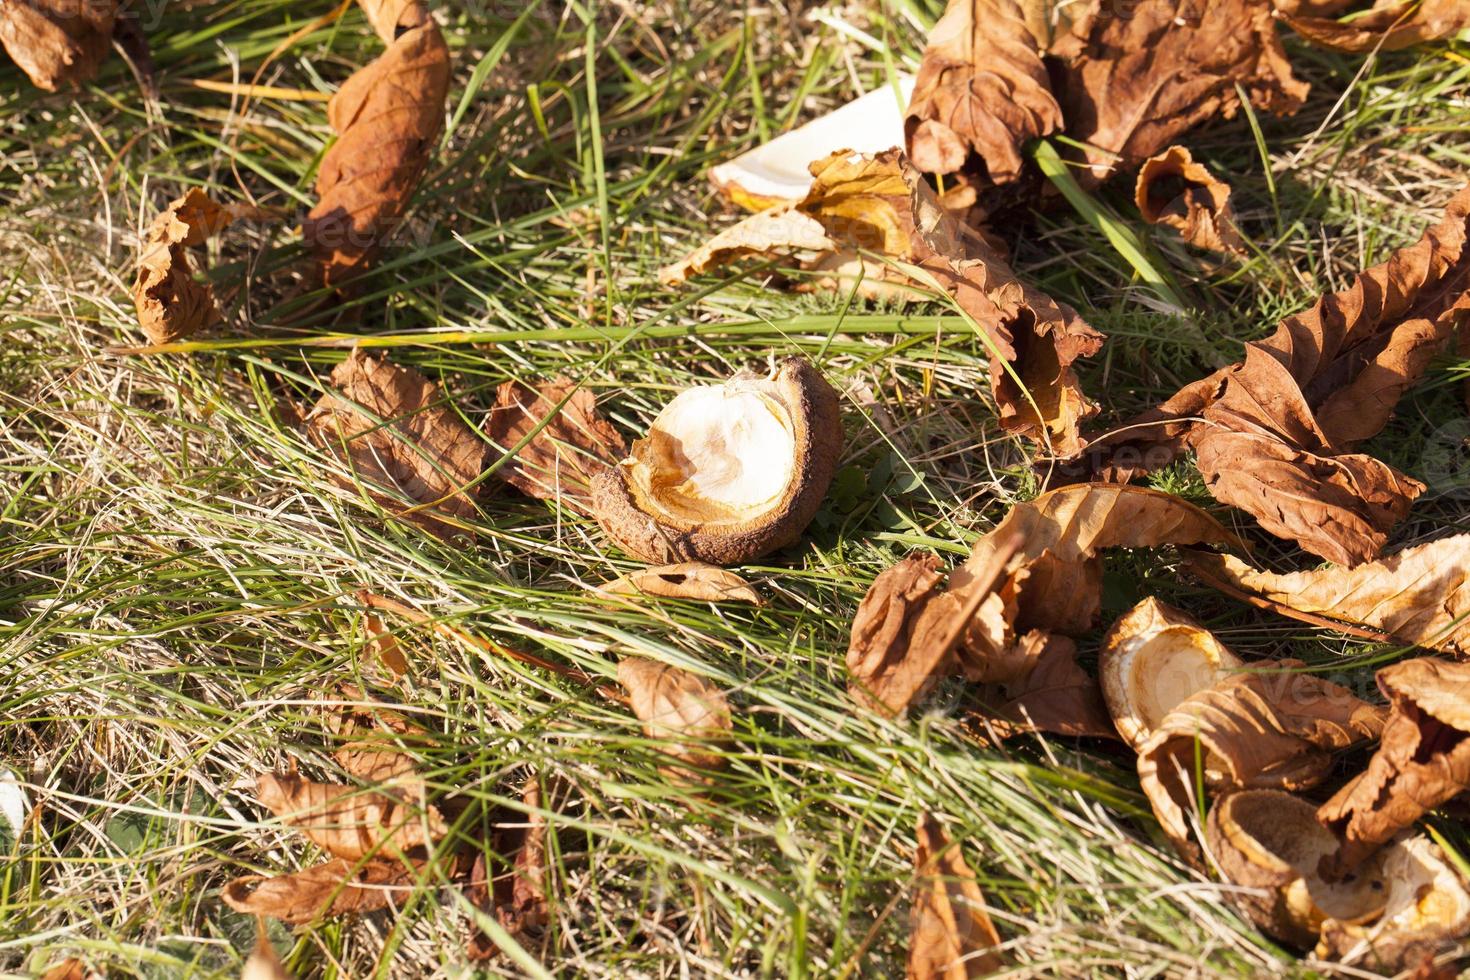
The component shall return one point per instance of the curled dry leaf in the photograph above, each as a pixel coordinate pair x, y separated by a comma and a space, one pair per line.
880, 204
1132, 77
350, 823
1418, 596
1152, 659
1423, 761
58, 43
336, 887
680, 709
512, 884
982, 89
1426, 913
686, 580
1270, 843
171, 304
1274, 433
727, 473
389, 427
1273, 727
70, 968
559, 461
1387, 25
953, 937
388, 116
1174, 190
1036, 574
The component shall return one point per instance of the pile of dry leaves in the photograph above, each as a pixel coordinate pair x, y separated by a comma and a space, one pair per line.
732, 471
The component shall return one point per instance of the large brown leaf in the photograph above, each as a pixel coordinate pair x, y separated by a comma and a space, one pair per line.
559, 460
350, 823
390, 428
953, 937
1419, 596
1052, 694
388, 117
881, 204
1271, 727
1173, 190
982, 89
57, 42
171, 304
1131, 77
684, 711
335, 887
1423, 761
1275, 433
1387, 25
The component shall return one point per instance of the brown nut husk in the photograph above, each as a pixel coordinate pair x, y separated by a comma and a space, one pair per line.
1152, 659
727, 472
1427, 910
1271, 841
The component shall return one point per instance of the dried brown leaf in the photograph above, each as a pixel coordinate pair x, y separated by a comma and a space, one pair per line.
70, 968
685, 580
953, 937
373, 745
336, 887
1274, 433
515, 889
1388, 25
388, 117
171, 304
881, 204
1174, 190
1052, 694
559, 460
1036, 574
1419, 596
381, 648
1423, 760
58, 43
1270, 727
389, 427
682, 710
981, 89
1131, 78
350, 823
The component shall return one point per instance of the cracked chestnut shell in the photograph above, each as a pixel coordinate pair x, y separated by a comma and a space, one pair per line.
727, 473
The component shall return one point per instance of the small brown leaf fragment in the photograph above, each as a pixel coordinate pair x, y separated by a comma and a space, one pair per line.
1270, 727
381, 648
263, 963
1274, 434
1176, 191
171, 304
337, 887
882, 204
1131, 78
559, 461
515, 889
350, 823
981, 89
389, 427
1422, 762
685, 580
1388, 25
1418, 596
372, 745
70, 968
680, 709
58, 43
388, 117
953, 937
